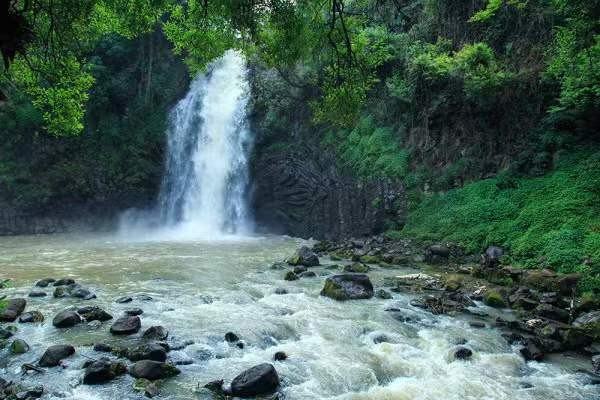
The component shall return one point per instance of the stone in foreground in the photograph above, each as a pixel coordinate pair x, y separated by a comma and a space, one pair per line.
259, 380
103, 370
348, 287
126, 325
13, 309
153, 370
66, 319
54, 354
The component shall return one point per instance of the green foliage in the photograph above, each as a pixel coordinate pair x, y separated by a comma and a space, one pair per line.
370, 151
551, 221
493, 6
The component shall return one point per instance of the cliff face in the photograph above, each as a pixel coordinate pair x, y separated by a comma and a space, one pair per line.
302, 193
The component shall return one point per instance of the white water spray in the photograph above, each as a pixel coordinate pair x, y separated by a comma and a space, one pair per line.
203, 193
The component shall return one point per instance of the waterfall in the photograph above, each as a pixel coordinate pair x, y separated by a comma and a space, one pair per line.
203, 192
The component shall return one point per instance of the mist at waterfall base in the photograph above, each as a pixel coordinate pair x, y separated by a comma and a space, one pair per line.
203, 194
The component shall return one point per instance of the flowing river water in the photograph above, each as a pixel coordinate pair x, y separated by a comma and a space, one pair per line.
200, 290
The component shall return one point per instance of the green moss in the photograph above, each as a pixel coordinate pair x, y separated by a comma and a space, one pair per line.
370, 259
493, 298
357, 268
550, 221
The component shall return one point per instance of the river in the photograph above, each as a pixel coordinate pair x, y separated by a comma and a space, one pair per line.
200, 290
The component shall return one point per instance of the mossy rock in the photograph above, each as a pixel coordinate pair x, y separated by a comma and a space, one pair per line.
370, 259
335, 257
290, 276
494, 299
19, 346
453, 282
543, 280
357, 267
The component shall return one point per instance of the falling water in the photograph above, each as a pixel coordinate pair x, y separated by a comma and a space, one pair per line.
203, 192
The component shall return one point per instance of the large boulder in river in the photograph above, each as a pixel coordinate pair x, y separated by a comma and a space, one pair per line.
45, 282
54, 354
94, 313
126, 325
13, 309
103, 370
153, 370
153, 351
348, 287
156, 332
31, 316
66, 319
259, 380
304, 256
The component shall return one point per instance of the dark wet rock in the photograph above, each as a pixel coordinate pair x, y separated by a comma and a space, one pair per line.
443, 303
381, 338
66, 319
19, 346
576, 338
82, 293
280, 356
54, 354
134, 311
348, 287
126, 325
180, 345
94, 313
281, 291
144, 297
33, 393
588, 320
308, 274
357, 267
596, 364
525, 303
215, 386
31, 316
259, 380
153, 370
530, 351
5, 333
103, 348
124, 299
240, 345
45, 282
61, 292
462, 353
231, 337
383, 294
64, 282
102, 371
290, 276
541, 279
551, 312
477, 324
13, 308
299, 269
304, 256
491, 257
437, 254
567, 284
153, 351
37, 293
156, 333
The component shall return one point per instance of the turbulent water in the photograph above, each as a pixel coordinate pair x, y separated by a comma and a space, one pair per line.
203, 193
201, 290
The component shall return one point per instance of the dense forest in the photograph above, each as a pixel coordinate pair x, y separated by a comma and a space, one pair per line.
484, 112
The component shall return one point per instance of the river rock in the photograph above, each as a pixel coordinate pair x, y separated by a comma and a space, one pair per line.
491, 257
37, 293
589, 320
80, 292
551, 312
19, 346
66, 319
357, 267
31, 316
45, 282
530, 351
103, 348
280, 356
304, 256
596, 364
462, 353
124, 299
103, 370
54, 354
259, 380
156, 333
383, 294
231, 337
5, 333
32, 393
61, 292
567, 284
14, 308
64, 282
153, 351
348, 287
290, 276
308, 274
126, 325
153, 370
134, 311
437, 254
281, 291
94, 313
